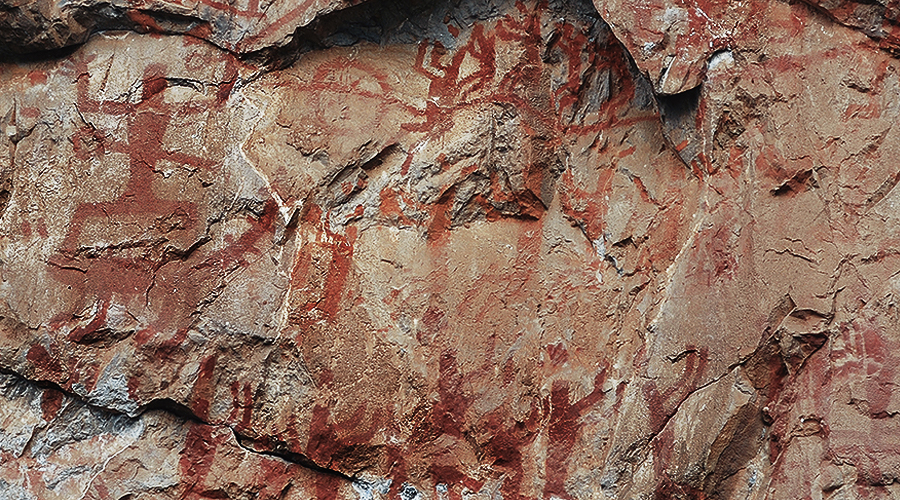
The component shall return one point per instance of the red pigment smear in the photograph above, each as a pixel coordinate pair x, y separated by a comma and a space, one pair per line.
432, 322
390, 206
338, 271
37, 77
202, 31
509, 371
43, 362
242, 405
558, 354
328, 439
204, 388
197, 458
327, 487
276, 476
587, 206
293, 14
78, 334
145, 23
663, 446
340, 249
134, 385
100, 488
440, 221
252, 11
326, 376
663, 404
505, 448
449, 413
224, 91
51, 402
564, 428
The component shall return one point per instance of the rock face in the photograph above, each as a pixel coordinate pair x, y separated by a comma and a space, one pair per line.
449, 249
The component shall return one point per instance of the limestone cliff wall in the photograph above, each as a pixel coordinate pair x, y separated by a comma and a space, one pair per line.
449, 249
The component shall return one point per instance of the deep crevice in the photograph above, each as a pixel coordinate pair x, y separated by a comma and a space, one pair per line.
677, 108
180, 411
288, 456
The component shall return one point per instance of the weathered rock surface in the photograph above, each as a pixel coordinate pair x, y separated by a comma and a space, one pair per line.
242, 26
449, 249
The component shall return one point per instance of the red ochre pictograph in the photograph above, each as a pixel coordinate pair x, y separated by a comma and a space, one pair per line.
113, 274
469, 76
450, 91
110, 277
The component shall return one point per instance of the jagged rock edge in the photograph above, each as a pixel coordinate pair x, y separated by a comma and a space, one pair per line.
184, 413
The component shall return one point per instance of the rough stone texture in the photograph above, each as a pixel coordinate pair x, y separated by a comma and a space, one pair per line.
451, 249
239, 26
